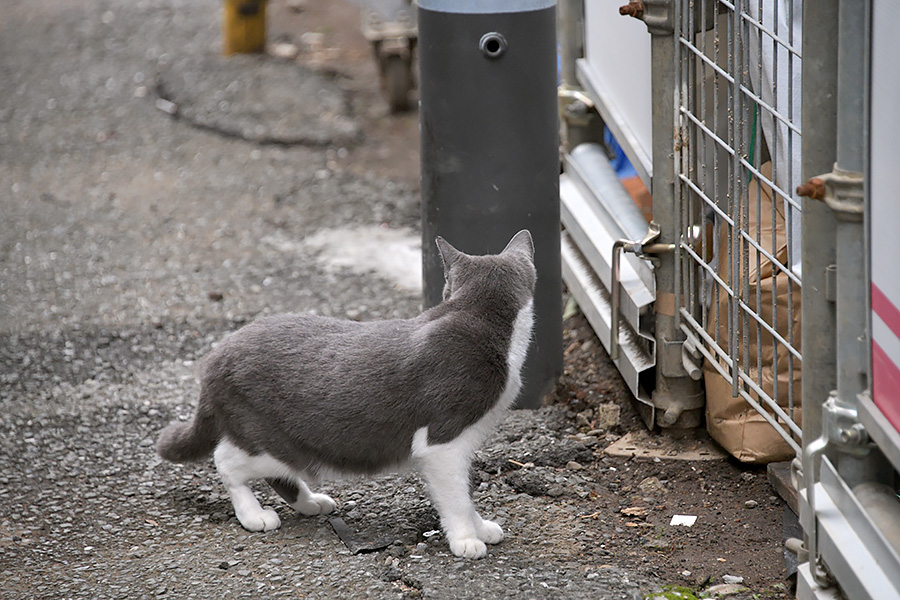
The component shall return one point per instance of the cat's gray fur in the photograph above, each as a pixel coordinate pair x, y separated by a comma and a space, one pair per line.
327, 395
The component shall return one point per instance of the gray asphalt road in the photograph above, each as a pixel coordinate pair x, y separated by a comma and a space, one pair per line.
131, 239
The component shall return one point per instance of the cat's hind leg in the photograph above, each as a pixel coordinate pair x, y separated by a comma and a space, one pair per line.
236, 468
298, 495
445, 468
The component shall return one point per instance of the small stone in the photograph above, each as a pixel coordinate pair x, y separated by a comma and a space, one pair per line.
284, 50
574, 466
751, 504
726, 589
651, 486
555, 491
166, 106
606, 416
583, 419
658, 545
243, 572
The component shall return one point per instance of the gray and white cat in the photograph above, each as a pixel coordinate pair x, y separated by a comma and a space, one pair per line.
294, 397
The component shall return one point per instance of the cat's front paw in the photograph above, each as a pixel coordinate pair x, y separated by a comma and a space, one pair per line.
262, 520
316, 504
468, 548
489, 532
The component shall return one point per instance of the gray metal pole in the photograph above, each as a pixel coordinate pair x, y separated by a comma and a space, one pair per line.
856, 464
490, 149
818, 143
570, 27
678, 398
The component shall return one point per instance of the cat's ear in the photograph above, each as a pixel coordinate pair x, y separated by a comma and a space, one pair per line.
522, 243
449, 254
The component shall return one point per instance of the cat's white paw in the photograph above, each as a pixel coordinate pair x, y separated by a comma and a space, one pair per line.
468, 548
317, 504
489, 532
261, 520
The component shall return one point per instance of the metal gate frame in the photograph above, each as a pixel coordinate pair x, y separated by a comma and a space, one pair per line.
735, 70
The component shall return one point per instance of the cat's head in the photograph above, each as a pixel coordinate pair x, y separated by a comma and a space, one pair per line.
510, 274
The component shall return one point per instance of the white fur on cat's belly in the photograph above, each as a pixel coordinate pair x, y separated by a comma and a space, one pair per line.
236, 467
446, 466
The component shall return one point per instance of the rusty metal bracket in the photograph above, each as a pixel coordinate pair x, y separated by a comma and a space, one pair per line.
645, 249
657, 15
843, 192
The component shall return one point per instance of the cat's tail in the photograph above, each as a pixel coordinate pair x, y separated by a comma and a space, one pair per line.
184, 442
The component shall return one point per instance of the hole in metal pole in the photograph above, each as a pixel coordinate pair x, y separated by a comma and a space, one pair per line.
492, 45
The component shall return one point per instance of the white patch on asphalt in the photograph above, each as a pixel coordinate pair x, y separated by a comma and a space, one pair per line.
395, 254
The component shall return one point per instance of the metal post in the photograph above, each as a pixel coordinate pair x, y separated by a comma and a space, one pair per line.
857, 461
490, 149
678, 397
818, 143
835, 303
581, 123
570, 27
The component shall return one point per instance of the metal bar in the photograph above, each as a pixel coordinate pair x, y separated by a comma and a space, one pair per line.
679, 89
772, 110
570, 25
852, 311
775, 262
758, 174
771, 331
676, 393
701, 264
787, 45
736, 196
819, 107
794, 429
789, 214
725, 146
699, 54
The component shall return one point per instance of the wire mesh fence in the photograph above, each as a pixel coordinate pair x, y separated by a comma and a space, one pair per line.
737, 162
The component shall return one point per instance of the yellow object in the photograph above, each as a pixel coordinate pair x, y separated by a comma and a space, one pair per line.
244, 27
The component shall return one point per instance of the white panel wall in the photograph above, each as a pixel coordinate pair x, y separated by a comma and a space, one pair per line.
617, 50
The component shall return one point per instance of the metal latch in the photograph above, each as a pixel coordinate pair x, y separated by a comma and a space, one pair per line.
576, 107
645, 248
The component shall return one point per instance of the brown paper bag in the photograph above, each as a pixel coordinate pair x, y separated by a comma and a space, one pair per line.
731, 421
